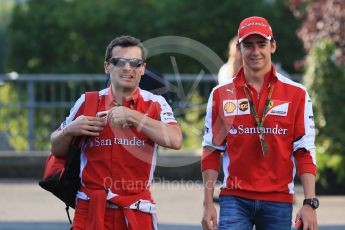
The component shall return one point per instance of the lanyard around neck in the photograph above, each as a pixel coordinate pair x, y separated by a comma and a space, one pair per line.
259, 123
252, 107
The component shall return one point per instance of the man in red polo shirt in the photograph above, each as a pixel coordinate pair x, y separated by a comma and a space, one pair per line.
263, 124
119, 158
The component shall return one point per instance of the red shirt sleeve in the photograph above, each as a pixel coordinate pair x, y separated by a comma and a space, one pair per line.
210, 159
305, 162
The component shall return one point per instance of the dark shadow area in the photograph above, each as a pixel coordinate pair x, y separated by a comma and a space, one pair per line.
333, 187
33, 225
62, 226
331, 227
178, 227
191, 171
154, 82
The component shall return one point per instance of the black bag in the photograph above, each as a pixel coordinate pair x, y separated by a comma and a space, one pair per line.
61, 175
65, 184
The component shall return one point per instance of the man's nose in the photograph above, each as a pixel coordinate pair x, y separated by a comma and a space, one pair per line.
127, 66
256, 48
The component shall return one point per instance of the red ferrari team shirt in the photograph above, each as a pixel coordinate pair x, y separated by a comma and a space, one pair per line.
230, 127
121, 160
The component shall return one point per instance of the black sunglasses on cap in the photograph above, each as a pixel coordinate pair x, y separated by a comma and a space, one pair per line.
121, 62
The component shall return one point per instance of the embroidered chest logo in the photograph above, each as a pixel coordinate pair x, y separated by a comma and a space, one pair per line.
229, 107
167, 116
243, 106
236, 107
278, 108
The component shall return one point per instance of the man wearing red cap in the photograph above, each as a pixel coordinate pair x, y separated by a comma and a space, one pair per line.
119, 158
263, 124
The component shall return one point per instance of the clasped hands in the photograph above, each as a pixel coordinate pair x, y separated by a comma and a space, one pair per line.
118, 117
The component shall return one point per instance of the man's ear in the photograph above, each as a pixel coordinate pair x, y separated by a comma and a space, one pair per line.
239, 48
143, 69
273, 46
106, 67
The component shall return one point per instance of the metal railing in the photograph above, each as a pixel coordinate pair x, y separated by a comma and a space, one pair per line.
33, 105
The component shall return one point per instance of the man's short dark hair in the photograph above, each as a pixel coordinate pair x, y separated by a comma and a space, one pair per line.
124, 41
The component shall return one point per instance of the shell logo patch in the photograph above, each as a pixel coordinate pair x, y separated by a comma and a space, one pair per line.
229, 107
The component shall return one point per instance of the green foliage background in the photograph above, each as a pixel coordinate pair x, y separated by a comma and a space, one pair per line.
70, 36
13, 119
325, 80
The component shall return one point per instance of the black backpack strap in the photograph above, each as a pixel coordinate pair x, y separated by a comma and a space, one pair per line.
68, 215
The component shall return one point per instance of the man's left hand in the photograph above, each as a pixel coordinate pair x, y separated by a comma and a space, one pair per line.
117, 117
308, 216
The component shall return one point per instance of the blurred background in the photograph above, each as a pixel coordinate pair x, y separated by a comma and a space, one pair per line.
51, 51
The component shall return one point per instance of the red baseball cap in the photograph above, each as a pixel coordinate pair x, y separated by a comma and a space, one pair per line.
254, 25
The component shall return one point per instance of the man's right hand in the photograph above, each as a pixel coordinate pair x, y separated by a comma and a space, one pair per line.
209, 219
85, 126
81, 126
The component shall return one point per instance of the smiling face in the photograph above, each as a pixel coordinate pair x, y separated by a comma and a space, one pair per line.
256, 53
125, 78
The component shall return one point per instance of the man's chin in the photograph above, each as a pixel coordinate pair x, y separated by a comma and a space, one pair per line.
256, 67
127, 87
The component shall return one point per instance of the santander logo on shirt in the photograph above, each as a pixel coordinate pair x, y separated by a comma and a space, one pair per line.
134, 141
241, 129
